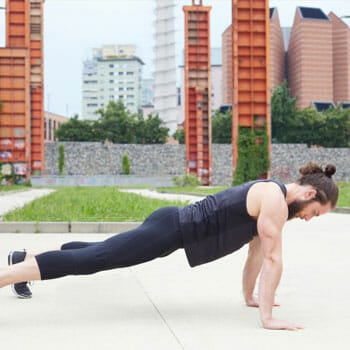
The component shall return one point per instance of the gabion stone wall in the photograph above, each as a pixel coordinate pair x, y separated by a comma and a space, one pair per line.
94, 158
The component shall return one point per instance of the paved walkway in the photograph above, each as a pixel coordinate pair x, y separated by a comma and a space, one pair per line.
166, 305
159, 195
13, 200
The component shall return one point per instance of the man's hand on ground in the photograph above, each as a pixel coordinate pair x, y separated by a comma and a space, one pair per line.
253, 302
281, 325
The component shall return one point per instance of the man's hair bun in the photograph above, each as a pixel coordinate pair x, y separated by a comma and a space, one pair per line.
314, 168
310, 168
330, 170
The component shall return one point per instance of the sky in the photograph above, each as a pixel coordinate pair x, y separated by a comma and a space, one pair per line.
72, 28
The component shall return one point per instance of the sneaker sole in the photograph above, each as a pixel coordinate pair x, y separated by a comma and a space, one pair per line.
9, 260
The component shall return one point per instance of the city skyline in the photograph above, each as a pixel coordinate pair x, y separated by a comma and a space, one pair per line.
93, 23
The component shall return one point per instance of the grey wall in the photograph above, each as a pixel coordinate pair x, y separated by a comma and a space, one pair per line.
93, 158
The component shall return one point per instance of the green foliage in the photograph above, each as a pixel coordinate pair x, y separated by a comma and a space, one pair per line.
222, 127
116, 124
125, 164
283, 110
221, 124
76, 130
344, 194
253, 161
60, 159
151, 131
188, 180
330, 128
180, 135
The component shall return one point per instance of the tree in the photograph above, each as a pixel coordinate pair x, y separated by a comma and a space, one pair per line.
76, 130
330, 128
336, 128
222, 127
116, 123
283, 110
151, 131
180, 135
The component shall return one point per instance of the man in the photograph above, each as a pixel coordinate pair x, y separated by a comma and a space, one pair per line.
253, 213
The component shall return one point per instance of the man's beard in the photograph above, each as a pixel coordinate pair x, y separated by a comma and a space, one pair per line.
296, 207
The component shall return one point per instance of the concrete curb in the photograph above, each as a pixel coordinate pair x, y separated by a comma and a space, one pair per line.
344, 210
67, 227
84, 227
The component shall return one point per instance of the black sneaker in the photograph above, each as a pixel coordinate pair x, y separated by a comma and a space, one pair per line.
20, 289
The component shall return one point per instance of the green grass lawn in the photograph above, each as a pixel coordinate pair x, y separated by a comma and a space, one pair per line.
89, 204
6, 189
108, 204
344, 194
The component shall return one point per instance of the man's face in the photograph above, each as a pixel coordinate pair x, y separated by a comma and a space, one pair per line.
306, 210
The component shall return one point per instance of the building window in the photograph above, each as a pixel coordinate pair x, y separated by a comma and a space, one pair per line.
129, 73
121, 73
111, 81
111, 65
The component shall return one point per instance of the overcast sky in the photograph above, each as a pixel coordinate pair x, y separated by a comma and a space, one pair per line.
73, 27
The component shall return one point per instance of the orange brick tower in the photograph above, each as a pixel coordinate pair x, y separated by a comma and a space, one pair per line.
250, 70
21, 88
197, 91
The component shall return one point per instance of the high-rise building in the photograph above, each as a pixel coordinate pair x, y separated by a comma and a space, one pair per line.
341, 60
227, 95
147, 92
114, 73
310, 57
165, 93
277, 51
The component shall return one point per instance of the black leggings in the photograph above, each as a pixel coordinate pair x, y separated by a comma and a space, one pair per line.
158, 236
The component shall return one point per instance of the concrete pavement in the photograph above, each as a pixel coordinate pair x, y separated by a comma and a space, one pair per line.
165, 304
12, 200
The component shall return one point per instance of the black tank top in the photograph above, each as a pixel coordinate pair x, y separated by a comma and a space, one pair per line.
219, 224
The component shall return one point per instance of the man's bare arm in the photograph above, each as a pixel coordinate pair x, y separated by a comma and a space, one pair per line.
251, 271
272, 217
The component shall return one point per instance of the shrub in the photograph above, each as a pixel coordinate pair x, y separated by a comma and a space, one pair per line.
125, 164
253, 159
60, 159
189, 180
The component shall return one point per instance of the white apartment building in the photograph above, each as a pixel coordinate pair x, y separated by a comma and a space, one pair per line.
165, 95
114, 73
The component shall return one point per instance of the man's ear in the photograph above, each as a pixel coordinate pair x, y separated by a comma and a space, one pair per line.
310, 193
